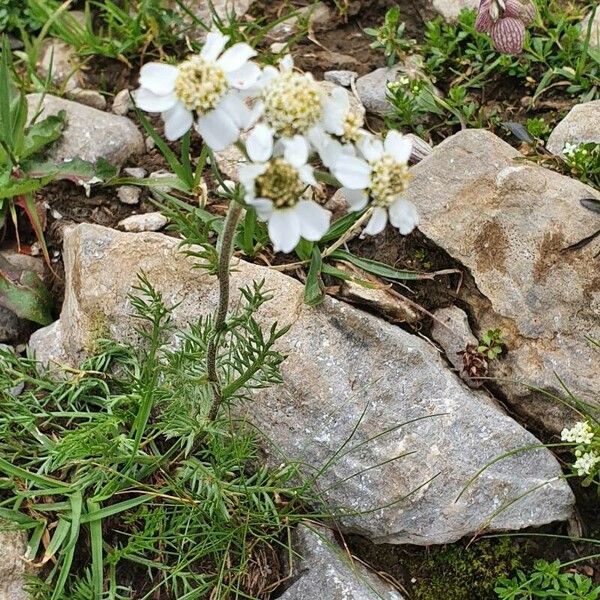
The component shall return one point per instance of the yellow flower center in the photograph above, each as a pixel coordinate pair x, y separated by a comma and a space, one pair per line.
280, 183
352, 124
292, 103
200, 84
389, 178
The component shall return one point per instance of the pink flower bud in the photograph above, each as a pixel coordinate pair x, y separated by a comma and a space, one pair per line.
508, 35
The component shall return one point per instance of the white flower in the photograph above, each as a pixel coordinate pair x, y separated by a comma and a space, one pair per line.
585, 463
381, 175
569, 148
208, 85
275, 182
295, 104
344, 128
580, 433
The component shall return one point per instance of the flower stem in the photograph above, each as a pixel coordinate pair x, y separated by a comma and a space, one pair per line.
225, 250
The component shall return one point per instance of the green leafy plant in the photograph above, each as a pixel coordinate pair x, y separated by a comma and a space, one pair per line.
547, 581
16, 16
24, 171
464, 64
491, 344
112, 29
390, 37
126, 479
583, 161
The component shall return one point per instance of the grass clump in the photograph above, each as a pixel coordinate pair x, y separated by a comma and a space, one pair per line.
123, 486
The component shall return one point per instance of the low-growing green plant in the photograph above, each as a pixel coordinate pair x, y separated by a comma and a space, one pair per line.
547, 581
111, 29
122, 482
16, 16
464, 63
390, 37
24, 171
583, 161
491, 344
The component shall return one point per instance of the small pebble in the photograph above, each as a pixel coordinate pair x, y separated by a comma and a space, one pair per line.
91, 98
129, 194
150, 145
137, 172
343, 78
153, 221
122, 103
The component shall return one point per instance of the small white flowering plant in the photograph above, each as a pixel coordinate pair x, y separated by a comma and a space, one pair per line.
585, 437
296, 136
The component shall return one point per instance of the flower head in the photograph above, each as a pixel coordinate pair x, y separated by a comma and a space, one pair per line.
275, 183
207, 85
295, 104
585, 463
381, 175
505, 22
580, 433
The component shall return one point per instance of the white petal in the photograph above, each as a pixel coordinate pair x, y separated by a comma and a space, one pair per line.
217, 129
377, 222
357, 199
233, 104
233, 58
314, 220
268, 74
215, 42
296, 151
263, 208
284, 230
178, 121
150, 102
398, 146
286, 63
159, 78
334, 115
352, 172
404, 215
307, 175
259, 144
248, 173
244, 77
370, 147
330, 152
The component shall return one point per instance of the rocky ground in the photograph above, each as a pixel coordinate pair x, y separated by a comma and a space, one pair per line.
521, 255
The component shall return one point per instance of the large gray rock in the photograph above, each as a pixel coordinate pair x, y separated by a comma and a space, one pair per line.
581, 125
90, 134
512, 224
324, 570
345, 369
12, 565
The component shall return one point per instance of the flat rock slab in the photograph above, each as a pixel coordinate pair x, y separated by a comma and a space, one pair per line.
90, 134
325, 571
580, 126
512, 224
345, 369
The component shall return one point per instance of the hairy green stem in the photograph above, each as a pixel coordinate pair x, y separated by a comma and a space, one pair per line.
225, 250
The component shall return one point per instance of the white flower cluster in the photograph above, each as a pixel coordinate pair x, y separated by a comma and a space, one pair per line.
585, 462
292, 123
582, 434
